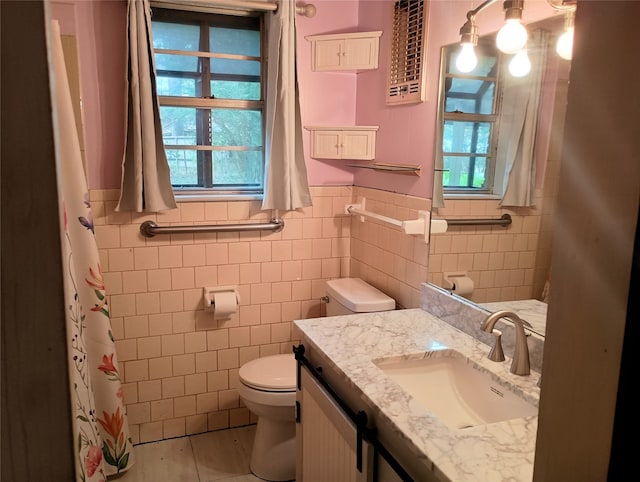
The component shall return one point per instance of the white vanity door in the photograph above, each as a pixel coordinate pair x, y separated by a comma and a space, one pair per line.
326, 438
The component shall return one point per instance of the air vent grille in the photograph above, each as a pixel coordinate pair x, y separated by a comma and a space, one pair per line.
407, 53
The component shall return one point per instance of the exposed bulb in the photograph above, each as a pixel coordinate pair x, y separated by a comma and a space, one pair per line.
520, 64
466, 60
564, 46
512, 37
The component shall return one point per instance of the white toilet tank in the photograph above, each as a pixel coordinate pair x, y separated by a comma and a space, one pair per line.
347, 296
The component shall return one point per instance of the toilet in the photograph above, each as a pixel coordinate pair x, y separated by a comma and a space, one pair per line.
268, 385
348, 296
268, 389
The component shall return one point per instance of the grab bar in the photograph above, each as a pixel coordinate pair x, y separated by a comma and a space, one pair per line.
150, 228
419, 226
503, 220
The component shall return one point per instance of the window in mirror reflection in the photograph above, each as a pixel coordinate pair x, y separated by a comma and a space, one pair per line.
470, 112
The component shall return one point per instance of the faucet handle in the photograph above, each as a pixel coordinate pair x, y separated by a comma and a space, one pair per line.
497, 354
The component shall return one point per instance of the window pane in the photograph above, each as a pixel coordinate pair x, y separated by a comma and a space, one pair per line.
176, 86
184, 167
237, 127
464, 172
221, 68
178, 125
471, 96
235, 90
473, 137
176, 63
175, 36
235, 41
230, 127
237, 168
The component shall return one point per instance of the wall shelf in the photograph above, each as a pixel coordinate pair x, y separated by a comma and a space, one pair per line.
414, 170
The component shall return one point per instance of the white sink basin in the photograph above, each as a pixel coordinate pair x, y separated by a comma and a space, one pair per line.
449, 386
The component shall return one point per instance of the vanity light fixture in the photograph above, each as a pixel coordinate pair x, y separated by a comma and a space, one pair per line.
564, 46
466, 60
520, 64
512, 37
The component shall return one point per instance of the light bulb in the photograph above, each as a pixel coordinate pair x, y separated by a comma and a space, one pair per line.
520, 64
466, 60
564, 47
512, 37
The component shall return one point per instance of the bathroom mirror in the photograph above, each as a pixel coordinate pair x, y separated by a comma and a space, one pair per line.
509, 265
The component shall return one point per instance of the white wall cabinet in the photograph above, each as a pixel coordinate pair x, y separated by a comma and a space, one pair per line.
346, 51
343, 142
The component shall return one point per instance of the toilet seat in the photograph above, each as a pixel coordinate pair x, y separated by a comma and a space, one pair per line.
274, 373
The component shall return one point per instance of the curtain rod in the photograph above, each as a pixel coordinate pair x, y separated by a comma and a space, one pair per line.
150, 228
203, 5
307, 10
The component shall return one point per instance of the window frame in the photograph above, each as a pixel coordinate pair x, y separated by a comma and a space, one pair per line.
206, 190
489, 189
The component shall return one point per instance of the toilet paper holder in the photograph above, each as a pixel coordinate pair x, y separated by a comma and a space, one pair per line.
209, 294
452, 281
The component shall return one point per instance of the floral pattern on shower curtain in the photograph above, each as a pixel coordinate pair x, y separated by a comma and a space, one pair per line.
101, 441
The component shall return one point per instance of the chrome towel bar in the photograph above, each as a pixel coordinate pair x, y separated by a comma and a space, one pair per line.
150, 228
504, 220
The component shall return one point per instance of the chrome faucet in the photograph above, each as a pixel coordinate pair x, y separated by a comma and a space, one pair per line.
520, 361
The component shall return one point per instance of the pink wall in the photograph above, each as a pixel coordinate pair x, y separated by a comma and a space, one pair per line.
326, 98
406, 133
100, 28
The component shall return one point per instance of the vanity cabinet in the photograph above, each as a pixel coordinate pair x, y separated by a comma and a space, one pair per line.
325, 437
328, 440
343, 142
344, 52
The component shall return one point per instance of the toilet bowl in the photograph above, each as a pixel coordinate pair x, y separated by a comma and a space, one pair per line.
268, 385
268, 389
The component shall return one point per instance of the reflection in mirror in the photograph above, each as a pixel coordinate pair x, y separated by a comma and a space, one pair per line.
533, 311
476, 120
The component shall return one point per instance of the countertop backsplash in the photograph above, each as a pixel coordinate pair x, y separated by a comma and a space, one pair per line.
467, 317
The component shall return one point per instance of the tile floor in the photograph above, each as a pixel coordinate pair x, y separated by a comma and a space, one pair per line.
221, 456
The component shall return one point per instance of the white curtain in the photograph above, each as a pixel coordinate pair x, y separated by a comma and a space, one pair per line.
518, 126
286, 185
146, 180
101, 440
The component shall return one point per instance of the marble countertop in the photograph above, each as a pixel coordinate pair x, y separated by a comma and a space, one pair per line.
497, 451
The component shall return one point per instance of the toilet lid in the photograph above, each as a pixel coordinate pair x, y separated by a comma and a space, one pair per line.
275, 373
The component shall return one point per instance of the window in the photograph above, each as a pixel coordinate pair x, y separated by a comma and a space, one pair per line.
210, 84
470, 110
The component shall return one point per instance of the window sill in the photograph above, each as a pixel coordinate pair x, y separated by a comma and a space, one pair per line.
473, 196
200, 197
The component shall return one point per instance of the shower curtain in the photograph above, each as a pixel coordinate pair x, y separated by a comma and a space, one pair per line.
101, 441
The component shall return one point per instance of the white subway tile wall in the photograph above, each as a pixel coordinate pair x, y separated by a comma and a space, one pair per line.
501, 261
178, 365
391, 261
